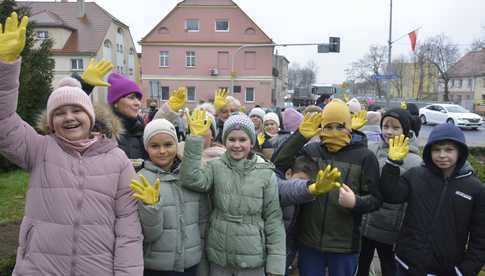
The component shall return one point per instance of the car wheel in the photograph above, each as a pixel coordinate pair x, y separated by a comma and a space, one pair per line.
423, 119
450, 121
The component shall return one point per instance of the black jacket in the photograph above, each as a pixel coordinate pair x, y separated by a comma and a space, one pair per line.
444, 225
131, 141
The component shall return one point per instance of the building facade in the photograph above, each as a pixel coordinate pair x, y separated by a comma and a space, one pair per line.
81, 31
280, 81
203, 45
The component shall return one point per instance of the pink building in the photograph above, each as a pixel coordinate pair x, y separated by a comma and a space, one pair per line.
194, 46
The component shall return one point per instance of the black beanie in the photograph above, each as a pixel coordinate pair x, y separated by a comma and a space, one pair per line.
403, 116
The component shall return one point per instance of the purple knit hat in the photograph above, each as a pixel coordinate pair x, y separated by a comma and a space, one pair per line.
121, 86
291, 119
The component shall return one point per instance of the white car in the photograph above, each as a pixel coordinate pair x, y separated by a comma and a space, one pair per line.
451, 114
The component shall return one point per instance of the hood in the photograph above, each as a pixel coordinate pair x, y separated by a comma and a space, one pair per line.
446, 132
164, 175
106, 123
358, 138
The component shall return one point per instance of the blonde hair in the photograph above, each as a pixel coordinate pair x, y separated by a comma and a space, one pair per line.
233, 102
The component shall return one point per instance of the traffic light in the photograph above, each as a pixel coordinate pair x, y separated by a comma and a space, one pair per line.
334, 44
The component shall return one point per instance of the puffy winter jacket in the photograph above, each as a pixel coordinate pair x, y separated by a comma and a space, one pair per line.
80, 217
245, 227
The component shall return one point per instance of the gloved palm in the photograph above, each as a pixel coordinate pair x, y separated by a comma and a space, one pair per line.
199, 123
326, 181
404, 105
12, 40
398, 148
261, 138
220, 98
178, 99
144, 191
359, 120
96, 71
310, 126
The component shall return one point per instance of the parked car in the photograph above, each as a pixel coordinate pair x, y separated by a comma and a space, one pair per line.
451, 114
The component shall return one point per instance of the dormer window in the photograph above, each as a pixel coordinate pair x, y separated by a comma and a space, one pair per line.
192, 25
41, 35
222, 25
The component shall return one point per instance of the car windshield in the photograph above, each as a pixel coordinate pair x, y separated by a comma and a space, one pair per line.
456, 109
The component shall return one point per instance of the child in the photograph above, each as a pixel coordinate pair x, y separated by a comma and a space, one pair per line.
80, 218
169, 213
443, 232
246, 235
380, 229
329, 233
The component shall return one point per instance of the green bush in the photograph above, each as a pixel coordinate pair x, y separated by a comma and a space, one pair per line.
6, 265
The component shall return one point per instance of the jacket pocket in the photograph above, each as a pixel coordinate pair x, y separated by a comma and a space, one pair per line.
27, 240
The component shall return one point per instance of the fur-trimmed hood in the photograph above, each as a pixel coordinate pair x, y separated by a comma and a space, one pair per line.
106, 123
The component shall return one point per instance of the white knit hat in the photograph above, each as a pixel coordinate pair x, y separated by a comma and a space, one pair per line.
158, 126
354, 106
273, 117
257, 111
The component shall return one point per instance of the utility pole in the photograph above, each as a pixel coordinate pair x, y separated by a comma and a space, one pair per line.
388, 92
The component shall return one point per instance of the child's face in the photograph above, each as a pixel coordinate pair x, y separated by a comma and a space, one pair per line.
444, 155
271, 127
296, 175
71, 122
129, 105
391, 127
162, 149
238, 144
256, 121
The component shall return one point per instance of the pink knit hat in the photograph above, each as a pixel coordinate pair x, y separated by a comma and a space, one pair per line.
291, 119
69, 92
121, 86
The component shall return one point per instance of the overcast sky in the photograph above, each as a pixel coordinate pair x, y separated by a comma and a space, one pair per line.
359, 23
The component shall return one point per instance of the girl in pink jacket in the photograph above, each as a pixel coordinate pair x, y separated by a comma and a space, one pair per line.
80, 217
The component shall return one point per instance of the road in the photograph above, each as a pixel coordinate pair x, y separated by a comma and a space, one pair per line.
474, 138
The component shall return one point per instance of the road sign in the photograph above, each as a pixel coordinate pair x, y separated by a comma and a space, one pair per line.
385, 77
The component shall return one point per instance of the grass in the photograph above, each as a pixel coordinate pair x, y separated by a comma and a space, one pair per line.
13, 186
6, 265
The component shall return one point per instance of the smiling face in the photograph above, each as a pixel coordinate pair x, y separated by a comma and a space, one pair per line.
71, 122
391, 127
129, 105
445, 156
271, 127
162, 150
238, 144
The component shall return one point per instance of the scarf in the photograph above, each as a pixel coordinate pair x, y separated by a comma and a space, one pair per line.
335, 140
79, 145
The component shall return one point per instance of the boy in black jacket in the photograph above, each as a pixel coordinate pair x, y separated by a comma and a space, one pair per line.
443, 232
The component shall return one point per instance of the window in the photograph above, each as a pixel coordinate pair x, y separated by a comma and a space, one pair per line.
250, 60
107, 49
460, 83
222, 25
163, 58
190, 59
483, 82
191, 93
236, 89
483, 97
223, 60
154, 92
77, 64
470, 83
452, 83
42, 35
165, 93
249, 94
192, 25
130, 71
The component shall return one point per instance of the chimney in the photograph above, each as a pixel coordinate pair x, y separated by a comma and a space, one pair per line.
82, 8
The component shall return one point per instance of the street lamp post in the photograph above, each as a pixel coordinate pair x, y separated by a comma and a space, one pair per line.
389, 67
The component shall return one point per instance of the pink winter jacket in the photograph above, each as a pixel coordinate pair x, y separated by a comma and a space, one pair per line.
80, 217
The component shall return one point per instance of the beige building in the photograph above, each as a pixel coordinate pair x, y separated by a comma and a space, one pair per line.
415, 83
81, 31
467, 80
280, 82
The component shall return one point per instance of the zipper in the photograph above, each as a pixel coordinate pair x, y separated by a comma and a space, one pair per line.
28, 238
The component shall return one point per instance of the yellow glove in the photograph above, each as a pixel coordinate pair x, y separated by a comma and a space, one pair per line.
326, 181
261, 138
96, 71
178, 99
12, 40
398, 148
144, 191
310, 126
359, 120
220, 98
404, 105
199, 124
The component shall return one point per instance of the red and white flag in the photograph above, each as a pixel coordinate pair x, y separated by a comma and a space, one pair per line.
413, 37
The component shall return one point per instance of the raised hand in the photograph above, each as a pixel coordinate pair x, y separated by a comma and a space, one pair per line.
326, 181
310, 126
96, 71
199, 123
404, 105
178, 99
398, 148
359, 120
12, 40
220, 98
145, 192
261, 138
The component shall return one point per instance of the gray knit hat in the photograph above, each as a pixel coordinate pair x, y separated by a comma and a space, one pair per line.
239, 121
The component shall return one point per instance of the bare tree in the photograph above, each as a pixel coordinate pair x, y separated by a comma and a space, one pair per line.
479, 43
301, 79
442, 54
